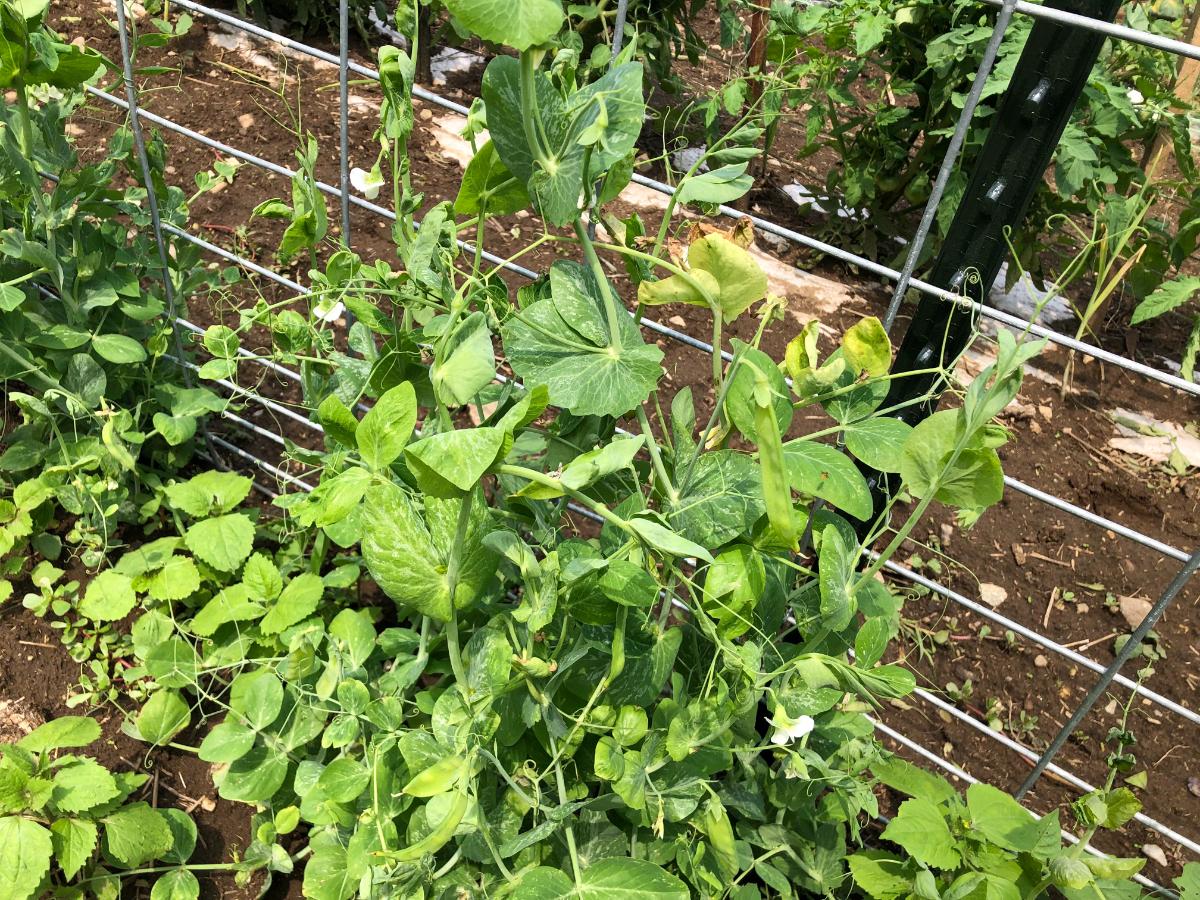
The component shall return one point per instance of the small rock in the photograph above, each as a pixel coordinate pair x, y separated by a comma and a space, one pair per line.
772, 242
1040, 661
1111, 708
992, 594
1194, 786
78, 42
678, 321
1018, 553
1046, 411
947, 532
426, 115
1082, 608
245, 121
170, 170
1134, 609
1154, 853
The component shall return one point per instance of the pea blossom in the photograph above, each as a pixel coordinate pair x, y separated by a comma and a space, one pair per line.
367, 183
329, 312
787, 729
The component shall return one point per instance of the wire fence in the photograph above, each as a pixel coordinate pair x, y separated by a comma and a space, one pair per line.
903, 280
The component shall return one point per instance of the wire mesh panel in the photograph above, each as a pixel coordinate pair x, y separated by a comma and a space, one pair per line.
901, 282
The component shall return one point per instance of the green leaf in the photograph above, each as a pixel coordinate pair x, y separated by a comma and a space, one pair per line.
74, 842
172, 663
82, 785
1170, 294
262, 578
338, 421
223, 542
465, 363
178, 579
327, 874
1001, 819
974, 480
520, 24
920, 828
407, 552
878, 442
257, 696
118, 348
1189, 882
136, 834
384, 431
178, 884
299, 600
61, 733
755, 373
25, 851
564, 343
820, 470
726, 272
1122, 805
555, 177
866, 347
231, 605
344, 780
255, 776
881, 875
228, 741
722, 500
209, 492
836, 575
487, 183
906, 778
615, 878
164, 716
666, 541
108, 597
449, 464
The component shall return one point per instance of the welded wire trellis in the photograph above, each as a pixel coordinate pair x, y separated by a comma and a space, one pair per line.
903, 281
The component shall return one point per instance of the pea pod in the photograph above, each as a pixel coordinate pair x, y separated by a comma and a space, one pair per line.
439, 836
714, 822
777, 492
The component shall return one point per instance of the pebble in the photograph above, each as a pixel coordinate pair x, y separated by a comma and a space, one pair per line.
1111, 708
1134, 610
992, 594
1040, 661
246, 121
1154, 853
677, 321
426, 115
1194, 786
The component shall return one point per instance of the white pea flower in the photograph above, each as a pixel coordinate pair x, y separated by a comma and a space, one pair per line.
787, 729
367, 183
329, 312
1136, 97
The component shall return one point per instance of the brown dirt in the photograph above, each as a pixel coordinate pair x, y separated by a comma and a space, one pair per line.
1064, 453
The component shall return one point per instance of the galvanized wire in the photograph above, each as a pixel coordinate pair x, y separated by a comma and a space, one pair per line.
1132, 644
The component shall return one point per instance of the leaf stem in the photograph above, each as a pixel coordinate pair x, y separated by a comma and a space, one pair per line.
452, 573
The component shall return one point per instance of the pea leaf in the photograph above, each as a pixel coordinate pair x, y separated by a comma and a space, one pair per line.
449, 464
564, 343
487, 184
878, 442
407, 552
255, 776
820, 470
974, 480
666, 541
722, 499
1001, 819
178, 884
298, 601
164, 716
556, 183
384, 431
118, 348
467, 362
82, 785
518, 23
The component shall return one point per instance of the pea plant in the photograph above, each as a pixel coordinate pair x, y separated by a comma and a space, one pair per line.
504, 646
68, 825
84, 322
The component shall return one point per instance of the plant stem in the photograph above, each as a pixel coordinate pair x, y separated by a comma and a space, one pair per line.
549, 481
610, 300
452, 573
655, 456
